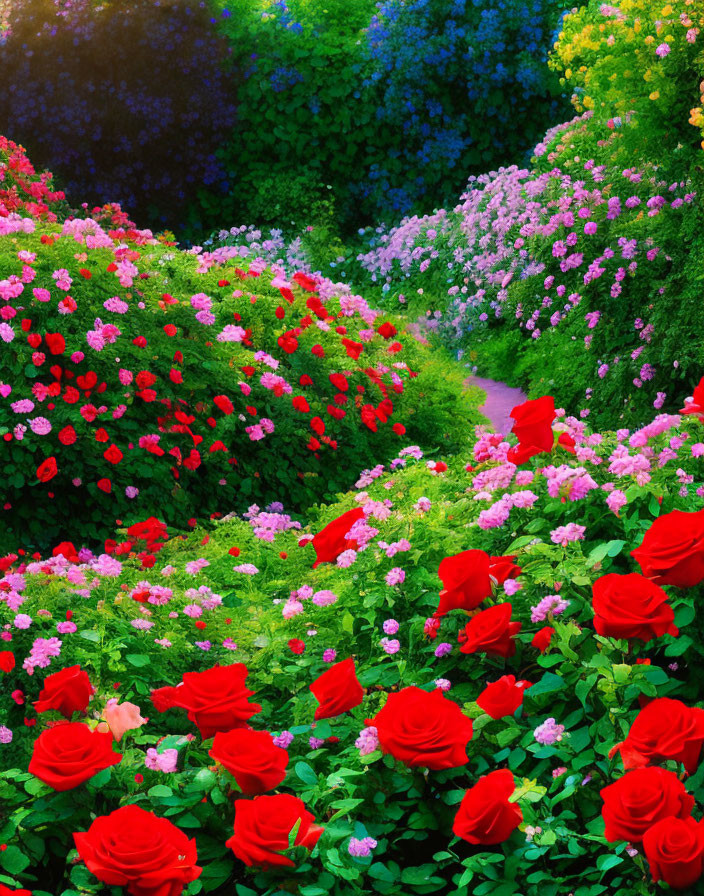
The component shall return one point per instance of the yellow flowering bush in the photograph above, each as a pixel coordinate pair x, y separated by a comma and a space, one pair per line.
636, 66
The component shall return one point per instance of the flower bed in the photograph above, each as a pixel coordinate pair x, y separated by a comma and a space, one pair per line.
132, 371
479, 672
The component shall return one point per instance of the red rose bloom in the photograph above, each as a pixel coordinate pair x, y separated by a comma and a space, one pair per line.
533, 426
423, 729
252, 758
467, 578
216, 700
631, 606
7, 661
331, 541
113, 455
47, 469
672, 551
337, 690
492, 632
664, 729
136, 849
485, 815
542, 638
69, 754
6, 891
66, 691
466, 581
640, 798
674, 848
502, 697
519, 454
55, 342
295, 645
263, 826
696, 406
386, 330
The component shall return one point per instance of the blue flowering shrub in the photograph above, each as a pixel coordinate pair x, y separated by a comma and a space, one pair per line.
126, 101
387, 106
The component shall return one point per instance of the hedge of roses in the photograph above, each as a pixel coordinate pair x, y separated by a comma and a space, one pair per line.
474, 672
135, 375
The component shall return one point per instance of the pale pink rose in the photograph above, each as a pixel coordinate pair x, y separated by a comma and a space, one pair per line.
121, 717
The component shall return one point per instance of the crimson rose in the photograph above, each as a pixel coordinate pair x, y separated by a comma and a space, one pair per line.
631, 606
467, 579
216, 700
492, 632
68, 754
672, 550
423, 729
533, 426
251, 757
331, 541
136, 849
674, 848
640, 798
664, 729
502, 697
337, 690
485, 815
263, 826
66, 691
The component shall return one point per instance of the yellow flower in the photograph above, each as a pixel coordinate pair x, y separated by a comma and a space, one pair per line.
654, 95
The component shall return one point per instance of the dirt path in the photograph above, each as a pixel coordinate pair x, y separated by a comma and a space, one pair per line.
500, 399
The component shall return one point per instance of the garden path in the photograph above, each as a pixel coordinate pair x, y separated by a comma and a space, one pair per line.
500, 400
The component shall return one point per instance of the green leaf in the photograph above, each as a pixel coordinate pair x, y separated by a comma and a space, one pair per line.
13, 860
90, 636
138, 659
160, 791
548, 684
305, 773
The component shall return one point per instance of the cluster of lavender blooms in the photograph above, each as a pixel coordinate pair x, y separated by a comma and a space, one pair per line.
570, 235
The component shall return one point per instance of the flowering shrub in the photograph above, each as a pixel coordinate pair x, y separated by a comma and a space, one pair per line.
477, 671
138, 109
391, 104
637, 66
132, 371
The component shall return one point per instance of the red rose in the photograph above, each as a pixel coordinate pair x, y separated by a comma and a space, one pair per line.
640, 798
533, 426
6, 891
300, 404
55, 343
105, 485
631, 606
672, 551
67, 435
7, 661
216, 700
664, 729
386, 330
492, 632
252, 758
423, 729
331, 541
69, 754
47, 469
304, 281
151, 530
502, 697
337, 690
467, 579
295, 645
542, 638
696, 406
138, 850
113, 455
674, 848
485, 815
263, 826
339, 381
353, 349
66, 691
